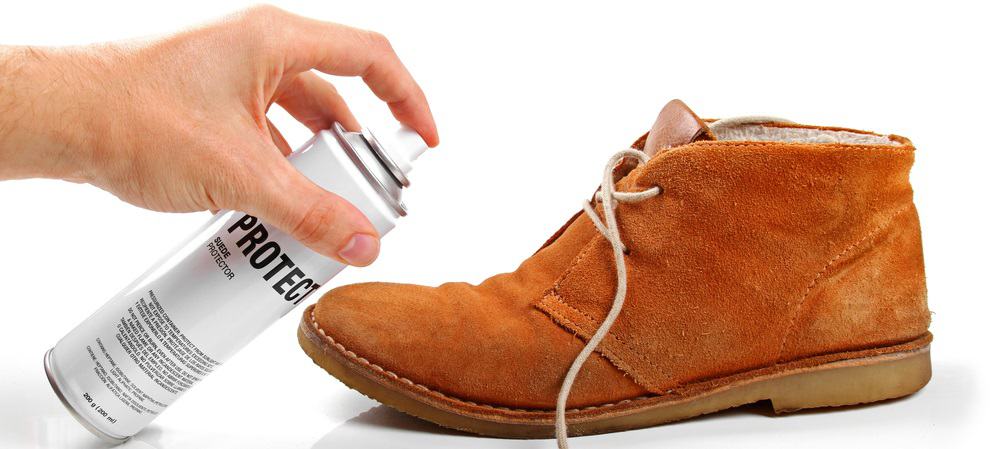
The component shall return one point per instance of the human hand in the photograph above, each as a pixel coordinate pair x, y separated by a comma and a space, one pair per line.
179, 124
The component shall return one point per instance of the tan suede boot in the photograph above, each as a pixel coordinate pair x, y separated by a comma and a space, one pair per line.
745, 260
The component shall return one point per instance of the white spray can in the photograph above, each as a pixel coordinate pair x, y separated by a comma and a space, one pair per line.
191, 311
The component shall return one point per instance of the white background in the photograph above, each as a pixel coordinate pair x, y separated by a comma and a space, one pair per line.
531, 99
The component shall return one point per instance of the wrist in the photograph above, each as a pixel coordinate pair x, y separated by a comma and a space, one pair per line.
48, 115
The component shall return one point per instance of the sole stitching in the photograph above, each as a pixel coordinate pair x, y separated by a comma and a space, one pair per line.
344, 351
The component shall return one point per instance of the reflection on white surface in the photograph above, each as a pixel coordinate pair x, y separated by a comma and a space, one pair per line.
933, 416
929, 418
383, 427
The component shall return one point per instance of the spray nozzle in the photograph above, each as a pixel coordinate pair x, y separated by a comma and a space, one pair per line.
405, 143
397, 148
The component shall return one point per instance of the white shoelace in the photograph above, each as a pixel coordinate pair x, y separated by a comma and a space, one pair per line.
608, 197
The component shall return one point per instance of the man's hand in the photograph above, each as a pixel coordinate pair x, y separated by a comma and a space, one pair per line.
179, 124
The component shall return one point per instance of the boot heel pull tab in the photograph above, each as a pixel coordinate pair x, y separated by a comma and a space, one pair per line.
675, 126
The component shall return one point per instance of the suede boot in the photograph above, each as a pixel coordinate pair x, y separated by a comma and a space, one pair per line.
721, 263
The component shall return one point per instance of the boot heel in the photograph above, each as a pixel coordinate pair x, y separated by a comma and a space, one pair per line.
855, 381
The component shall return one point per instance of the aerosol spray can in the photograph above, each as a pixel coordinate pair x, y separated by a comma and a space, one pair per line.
194, 309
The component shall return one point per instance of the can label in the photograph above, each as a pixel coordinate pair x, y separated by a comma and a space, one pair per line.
268, 257
178, 322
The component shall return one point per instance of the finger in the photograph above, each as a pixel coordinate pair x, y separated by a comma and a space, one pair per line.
345, 51
315, 103
278, 139
323, 221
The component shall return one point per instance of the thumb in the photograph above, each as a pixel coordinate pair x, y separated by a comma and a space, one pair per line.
323, 221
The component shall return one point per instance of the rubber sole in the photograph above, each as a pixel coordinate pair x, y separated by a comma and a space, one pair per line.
840, 382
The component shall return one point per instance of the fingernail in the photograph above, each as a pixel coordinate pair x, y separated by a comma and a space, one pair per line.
360, 250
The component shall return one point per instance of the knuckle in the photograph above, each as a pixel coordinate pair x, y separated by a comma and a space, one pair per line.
378, 41
263, 11
315, 223
261, 18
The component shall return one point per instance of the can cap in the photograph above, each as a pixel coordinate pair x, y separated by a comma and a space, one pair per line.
404, 144
396, 147
407, 144
382, 165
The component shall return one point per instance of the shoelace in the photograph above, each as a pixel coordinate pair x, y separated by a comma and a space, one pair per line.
609, 197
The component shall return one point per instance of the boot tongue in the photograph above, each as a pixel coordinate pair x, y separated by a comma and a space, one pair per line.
675, 126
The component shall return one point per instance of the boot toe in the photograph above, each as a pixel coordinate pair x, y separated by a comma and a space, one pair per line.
457, 342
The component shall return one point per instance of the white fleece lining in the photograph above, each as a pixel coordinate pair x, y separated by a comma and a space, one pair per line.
761, 133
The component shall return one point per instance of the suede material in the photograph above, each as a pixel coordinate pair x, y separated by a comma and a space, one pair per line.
852, 303
484, 343
720, 261
754, 254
